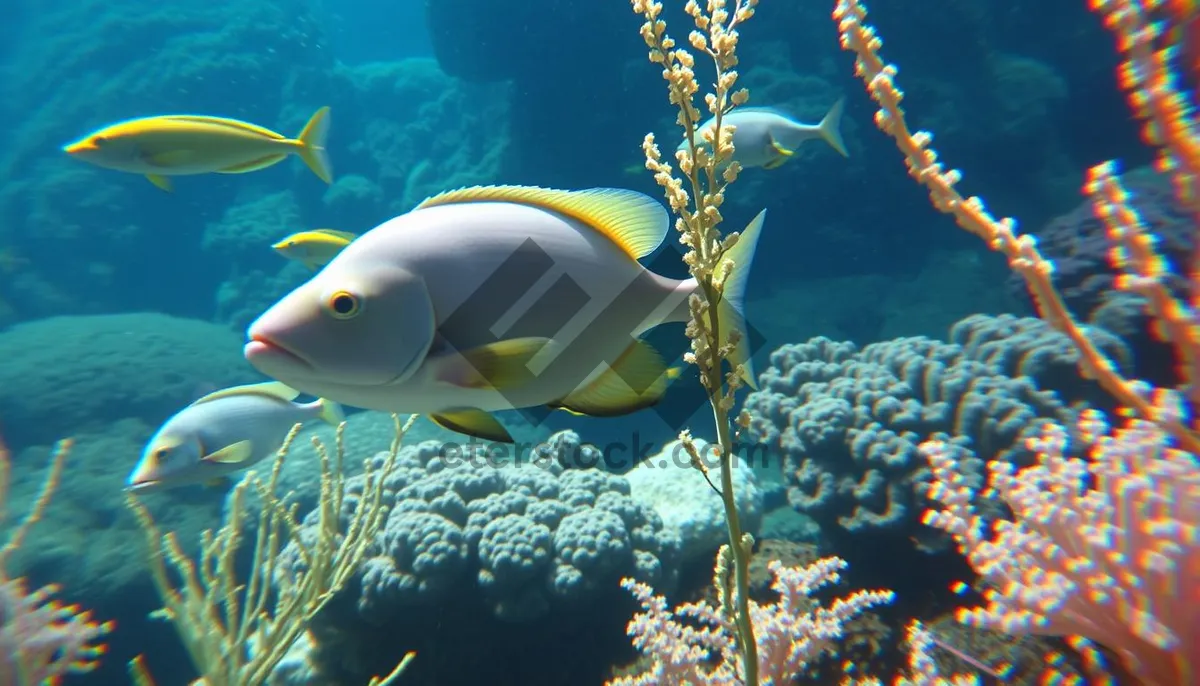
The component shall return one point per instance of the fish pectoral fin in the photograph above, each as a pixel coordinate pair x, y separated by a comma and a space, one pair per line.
499, 365
472, 422
637, 380
273, 389
160, 181
781, 153
780, 150
233, 454
169, 158
253, 165
313, 264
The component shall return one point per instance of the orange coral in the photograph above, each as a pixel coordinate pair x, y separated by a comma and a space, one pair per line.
41, 640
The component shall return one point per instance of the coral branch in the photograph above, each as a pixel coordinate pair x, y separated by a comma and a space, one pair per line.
1108, 550
237, 633
792, 632
971, 215
41, 640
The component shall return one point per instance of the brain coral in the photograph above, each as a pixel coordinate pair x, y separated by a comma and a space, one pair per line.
847, 422
530, 536
62, 375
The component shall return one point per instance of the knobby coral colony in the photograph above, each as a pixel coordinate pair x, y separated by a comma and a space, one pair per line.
1106, 549
41, 640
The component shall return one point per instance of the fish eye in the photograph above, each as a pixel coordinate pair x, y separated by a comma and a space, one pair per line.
160, 454
99, 140
343, 305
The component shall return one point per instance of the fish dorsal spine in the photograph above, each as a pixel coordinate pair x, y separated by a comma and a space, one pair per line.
633, 221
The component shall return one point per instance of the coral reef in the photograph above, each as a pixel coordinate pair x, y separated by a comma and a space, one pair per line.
472, 541
64, 375
847, 422
41, 639
667, 482
1085, 277
792, 633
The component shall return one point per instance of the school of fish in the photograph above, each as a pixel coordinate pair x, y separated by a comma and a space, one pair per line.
407, 316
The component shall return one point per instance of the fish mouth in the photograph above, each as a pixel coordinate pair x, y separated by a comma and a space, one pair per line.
78, 147
260, 346
142, 485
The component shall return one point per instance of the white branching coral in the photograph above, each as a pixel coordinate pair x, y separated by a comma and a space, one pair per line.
702, 650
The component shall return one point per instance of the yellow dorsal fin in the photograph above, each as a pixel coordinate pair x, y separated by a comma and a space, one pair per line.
635, 222
273, 389
225, 122
345, 235
637, 380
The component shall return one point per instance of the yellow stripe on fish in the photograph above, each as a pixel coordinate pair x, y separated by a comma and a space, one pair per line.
163, 146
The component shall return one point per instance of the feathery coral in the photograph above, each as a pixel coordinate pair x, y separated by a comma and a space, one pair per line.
41, 640
237, 632
707, 167
1109, 549
791, 632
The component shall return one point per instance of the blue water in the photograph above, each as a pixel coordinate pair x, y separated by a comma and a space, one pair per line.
432, 95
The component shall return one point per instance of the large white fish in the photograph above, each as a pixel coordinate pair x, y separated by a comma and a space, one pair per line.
492, 298
222, 433
765, 137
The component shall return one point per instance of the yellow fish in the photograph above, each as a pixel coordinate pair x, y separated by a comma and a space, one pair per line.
182, 144
314, 249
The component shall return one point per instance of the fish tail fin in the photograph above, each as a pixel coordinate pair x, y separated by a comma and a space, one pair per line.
732, 306
330, 412
312, 145
830, 127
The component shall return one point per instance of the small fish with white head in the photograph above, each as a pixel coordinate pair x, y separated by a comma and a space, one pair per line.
223, 433
765, 137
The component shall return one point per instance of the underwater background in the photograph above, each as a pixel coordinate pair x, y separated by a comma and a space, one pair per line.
121, 303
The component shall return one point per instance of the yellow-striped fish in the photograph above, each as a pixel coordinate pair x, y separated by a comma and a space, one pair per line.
182, 144
314, 249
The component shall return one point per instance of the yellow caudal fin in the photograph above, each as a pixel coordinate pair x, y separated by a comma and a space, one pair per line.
331, 412
731, 310
830, 127
312, 145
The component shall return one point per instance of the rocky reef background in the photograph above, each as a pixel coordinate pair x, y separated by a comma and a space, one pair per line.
119, 303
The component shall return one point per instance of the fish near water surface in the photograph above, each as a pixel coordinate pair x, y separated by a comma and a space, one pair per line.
492, 298
765, 137
183, 144
222, 433
314, 249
